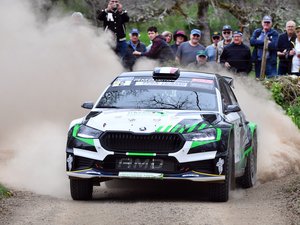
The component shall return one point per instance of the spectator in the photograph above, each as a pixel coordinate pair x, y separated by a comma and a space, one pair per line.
212, 49
296, 57
159, 49
168, 36
257, 41
227, 39
285, 46
237, 56
201, 60
187, 51
133, 44
77, 18
114, 19
179, 37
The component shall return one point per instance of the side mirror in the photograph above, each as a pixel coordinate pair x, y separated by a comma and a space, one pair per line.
87, 105
231, 109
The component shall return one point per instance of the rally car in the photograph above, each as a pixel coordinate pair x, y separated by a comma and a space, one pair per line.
163, 124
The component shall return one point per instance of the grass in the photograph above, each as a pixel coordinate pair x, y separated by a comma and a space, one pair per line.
4, 192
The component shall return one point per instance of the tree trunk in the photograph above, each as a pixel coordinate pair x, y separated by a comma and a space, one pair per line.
202, 22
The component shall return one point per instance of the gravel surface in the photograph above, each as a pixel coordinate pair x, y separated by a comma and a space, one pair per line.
138, 203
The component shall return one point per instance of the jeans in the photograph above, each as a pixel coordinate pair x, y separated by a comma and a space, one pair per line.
271, 69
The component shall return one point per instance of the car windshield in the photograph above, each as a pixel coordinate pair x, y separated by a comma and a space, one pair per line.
149, 94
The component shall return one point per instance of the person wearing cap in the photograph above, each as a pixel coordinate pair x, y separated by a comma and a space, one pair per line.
212, 49
179, 37
187, 51
200, 60
227, 39
159, 50
285, 48
257, 41
134, 44
237, 56
168, 36
114, 19
296, 57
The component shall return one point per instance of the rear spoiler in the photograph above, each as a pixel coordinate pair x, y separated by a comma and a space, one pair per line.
229, 80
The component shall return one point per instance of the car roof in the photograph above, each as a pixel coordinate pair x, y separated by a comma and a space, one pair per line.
183, 74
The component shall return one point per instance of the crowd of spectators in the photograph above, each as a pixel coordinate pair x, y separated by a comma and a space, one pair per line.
227, 48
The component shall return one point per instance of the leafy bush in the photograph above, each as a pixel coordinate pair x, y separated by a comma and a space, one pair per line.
286, 93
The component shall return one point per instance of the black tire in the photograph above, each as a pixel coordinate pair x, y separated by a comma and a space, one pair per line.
81, 189
219, 192
249, 178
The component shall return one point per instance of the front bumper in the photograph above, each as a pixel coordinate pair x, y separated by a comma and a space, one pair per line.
191, 175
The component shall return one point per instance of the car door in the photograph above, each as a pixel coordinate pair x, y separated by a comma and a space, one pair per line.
234, 118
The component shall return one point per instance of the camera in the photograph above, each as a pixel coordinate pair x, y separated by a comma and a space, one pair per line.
115, 6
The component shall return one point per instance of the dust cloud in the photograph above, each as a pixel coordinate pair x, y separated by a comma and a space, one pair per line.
278, 137
48, 69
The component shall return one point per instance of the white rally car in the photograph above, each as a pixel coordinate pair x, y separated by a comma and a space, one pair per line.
163, 124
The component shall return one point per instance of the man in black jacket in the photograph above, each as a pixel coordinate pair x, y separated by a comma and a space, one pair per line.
114, 19
237, 56
285, 46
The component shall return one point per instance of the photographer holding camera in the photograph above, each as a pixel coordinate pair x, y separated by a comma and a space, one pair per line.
114, 19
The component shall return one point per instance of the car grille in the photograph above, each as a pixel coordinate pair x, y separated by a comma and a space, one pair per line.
155, 142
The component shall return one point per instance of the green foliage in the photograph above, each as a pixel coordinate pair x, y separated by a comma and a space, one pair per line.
294, 112
4, 192
277, 94
286, 93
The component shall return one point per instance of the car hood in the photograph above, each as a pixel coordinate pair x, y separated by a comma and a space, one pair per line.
146, 121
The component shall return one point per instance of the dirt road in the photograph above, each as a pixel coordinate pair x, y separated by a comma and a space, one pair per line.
151, 203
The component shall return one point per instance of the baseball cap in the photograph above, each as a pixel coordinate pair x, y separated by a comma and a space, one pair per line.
237, 32
134, 31
216, 34
298, 27
180, 33
267, 19
201, 53
227, 27
195, 31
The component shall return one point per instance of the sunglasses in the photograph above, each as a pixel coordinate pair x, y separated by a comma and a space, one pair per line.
267, 22
226, 32
196, 35
216, 38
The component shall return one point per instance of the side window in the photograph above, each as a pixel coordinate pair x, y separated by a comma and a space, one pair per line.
224, 95
231, 94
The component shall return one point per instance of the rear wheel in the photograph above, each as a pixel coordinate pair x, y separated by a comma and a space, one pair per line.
219, 192
249, 178
81, 189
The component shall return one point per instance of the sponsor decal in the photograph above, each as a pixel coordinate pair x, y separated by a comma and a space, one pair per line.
122, 82
70, 162
143, 129
141, 175
203, 81
148, 82
220, 164
136, 163
190, 175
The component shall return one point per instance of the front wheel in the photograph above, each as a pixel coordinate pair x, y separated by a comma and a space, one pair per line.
219, 192
81, 189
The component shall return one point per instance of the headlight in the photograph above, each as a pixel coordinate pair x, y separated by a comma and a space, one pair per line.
204, 135
87, 132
